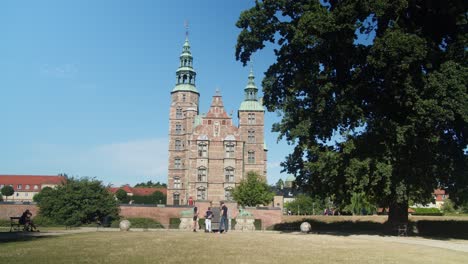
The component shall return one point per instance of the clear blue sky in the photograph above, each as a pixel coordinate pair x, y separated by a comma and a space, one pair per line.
85, 85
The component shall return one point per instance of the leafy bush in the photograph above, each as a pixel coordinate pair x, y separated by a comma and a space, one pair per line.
77, 202
174, 223
41, 220
258, 224
5, 223
155, 198
427, 211
448, 206
139, 223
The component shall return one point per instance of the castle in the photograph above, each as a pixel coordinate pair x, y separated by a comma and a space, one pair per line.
208, 154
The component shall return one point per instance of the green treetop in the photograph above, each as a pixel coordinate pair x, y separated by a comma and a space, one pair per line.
399, 102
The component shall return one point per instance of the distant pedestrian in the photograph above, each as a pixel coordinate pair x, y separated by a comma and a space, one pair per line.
208, 217
223, 224
195, 219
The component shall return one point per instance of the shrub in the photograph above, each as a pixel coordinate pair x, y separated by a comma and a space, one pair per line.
174, 223
258, 224
427, 211
41, 220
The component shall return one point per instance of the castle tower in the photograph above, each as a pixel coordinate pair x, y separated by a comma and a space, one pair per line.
183, 110
251, 126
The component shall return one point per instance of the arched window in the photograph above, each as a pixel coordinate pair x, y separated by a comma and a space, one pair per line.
229, 174
251, 157
201, 174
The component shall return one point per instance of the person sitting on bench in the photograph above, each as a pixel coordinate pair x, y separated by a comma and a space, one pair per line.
25, 220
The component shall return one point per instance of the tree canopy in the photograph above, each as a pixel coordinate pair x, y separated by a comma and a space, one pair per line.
77, 201
151, 184
388, 78
7, 190
252, 191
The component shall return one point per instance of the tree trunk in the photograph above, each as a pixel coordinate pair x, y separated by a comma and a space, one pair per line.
398, 213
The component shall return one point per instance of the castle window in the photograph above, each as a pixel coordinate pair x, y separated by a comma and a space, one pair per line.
176, 198
176, 183
251, 136
229, 174
178, 144
184, 97
229, 150
228, 194
202, 150
251, 118
179, 113
201, 194
177, 163
178, 129
201, 174
251, 157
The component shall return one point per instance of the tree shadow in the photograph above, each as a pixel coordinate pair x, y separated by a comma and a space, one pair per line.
6, 237
437, 229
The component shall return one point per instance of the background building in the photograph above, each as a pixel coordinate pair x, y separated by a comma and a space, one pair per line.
26, 186
208, 154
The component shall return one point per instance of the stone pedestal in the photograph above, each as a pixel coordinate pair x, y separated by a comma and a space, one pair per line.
186, 223
245, 224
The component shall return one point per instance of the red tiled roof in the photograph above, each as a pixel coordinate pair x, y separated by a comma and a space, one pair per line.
439, 191
30, 179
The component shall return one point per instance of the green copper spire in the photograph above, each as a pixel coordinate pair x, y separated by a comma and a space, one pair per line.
251, 102
185, 74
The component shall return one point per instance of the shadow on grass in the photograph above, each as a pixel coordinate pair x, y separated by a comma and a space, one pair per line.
6, 237
443, 229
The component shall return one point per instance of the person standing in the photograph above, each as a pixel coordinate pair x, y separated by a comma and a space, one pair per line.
223, 224
208, 217
195, 219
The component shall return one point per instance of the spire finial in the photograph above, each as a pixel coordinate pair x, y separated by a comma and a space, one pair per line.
186, 24
217, 92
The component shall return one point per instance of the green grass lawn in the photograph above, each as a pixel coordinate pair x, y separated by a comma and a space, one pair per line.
235, 247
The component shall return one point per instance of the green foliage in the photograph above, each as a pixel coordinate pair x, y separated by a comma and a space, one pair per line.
1, 198
360, 205
44, 221
78, 201
122, 196
155, 198
151, 184
258, 224
389, 77
304, 204
252, 191
44, 192
279, 184
6, 191
448, 206
174, 223
139, 223
427, 211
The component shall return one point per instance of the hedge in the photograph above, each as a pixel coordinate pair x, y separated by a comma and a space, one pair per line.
139, 223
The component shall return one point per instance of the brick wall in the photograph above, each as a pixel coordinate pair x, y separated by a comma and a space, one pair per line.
161, 214
8, 210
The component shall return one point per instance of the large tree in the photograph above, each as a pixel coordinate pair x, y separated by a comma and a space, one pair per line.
252, 191
388, 77
78, 201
